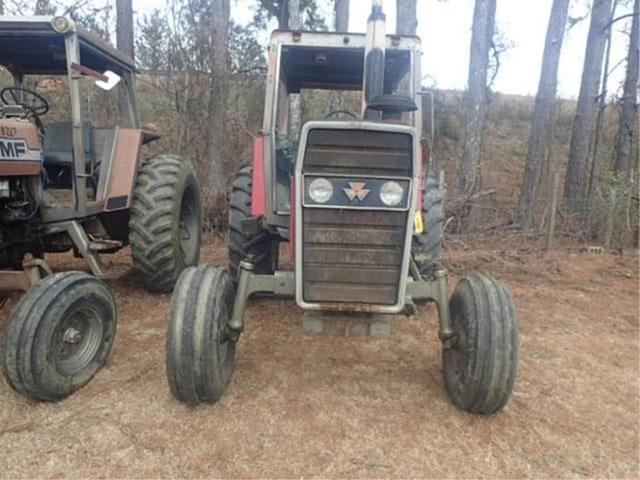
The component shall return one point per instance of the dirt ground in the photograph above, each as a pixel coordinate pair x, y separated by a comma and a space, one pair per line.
322, 406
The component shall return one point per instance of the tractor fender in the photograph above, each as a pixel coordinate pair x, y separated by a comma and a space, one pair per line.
119, 181
258, 191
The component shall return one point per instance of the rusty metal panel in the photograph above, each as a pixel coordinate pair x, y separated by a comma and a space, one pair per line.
352, 256
20, 150
14, 168
358, 152
123, 170
347, 157
340, 292
20, 129
362, 138
341, 255
347, 235
346, 217
14, 281
349, 274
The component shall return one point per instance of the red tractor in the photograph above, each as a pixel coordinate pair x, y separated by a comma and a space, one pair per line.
352, 192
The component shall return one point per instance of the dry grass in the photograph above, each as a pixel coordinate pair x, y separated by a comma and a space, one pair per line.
311, 406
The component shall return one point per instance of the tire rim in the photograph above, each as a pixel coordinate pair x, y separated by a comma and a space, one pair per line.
189, 226
78, 339
226, 347
459, 351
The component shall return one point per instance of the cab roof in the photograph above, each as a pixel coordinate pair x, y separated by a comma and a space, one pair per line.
30, 46
330, 60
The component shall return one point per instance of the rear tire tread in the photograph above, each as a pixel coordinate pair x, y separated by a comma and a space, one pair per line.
155, 212
241, 245
427, 247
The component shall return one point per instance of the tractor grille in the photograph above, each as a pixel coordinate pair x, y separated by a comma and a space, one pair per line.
354, 256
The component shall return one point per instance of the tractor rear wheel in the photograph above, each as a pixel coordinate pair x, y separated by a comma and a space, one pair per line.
199, 355
427, 246
59, 335
480, 367
165, 223
262, 246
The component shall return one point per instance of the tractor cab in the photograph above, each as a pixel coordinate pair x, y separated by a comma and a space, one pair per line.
320, 76
57, 102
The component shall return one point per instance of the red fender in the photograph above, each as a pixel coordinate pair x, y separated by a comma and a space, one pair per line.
423, 176
258, 190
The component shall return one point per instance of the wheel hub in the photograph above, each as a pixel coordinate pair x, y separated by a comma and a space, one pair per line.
80, 337
72, 336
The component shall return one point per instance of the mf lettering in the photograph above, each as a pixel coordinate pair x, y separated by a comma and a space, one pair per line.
12, 148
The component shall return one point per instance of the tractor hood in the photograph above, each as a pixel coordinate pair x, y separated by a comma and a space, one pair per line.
20, 150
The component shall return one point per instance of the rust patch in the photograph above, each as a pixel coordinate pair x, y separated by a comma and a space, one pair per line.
14, 281
20, 129
12, 168
124, 166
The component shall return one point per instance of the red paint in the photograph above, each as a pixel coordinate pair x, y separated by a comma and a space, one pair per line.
258, 190
292, 223
423, 177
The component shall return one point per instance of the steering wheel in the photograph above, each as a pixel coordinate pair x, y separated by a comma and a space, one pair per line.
341, 112
31, 101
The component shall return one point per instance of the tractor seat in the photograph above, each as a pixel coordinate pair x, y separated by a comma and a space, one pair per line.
58, 144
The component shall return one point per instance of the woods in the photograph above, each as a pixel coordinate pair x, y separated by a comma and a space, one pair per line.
200, 71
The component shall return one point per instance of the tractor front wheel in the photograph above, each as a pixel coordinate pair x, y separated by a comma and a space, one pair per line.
199, 354
480, 367
59, 335
165, 223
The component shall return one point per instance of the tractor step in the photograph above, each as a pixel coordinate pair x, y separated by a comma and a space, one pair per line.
347, 324
105, 246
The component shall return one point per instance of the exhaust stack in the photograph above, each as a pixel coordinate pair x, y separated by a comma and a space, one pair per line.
374, 55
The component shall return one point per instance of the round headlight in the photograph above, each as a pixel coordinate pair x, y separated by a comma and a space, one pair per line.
320, 190
61, 24
391, 194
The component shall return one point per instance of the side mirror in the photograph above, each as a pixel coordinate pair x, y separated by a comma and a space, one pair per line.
112, 79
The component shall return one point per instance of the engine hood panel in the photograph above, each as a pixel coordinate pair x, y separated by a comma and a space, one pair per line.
20, 148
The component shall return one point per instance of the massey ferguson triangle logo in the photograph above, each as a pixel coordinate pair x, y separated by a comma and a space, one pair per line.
356, 190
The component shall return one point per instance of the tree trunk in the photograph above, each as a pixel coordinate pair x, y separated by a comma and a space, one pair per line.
283, 15
218, 94
484, 16
587, 108
406, 17
124, 27
294, 15
341, 23
594, 165
543, 115
629, 115
40, 8
341, 12
124, 42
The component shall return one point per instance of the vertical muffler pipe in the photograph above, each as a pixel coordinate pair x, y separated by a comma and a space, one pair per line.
373, 72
